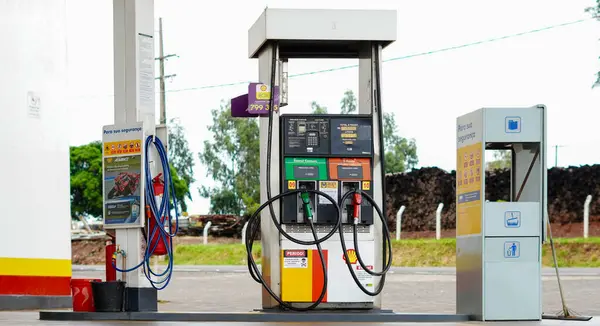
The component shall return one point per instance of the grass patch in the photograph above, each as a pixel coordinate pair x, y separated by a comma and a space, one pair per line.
217, 254
570, 252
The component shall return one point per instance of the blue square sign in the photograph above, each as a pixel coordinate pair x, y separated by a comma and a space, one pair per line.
512, 124
512, 249
512, 219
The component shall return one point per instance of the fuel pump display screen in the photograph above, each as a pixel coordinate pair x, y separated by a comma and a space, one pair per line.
339, 135
306, 172
350, 172
351, 136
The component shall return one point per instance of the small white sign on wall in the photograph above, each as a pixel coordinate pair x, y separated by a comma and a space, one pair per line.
33, 105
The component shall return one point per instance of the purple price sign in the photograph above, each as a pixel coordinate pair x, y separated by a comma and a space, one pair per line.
258, 98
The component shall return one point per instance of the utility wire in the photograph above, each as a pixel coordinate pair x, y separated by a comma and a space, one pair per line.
419, 54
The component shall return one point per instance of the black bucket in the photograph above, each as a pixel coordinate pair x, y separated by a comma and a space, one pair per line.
108, 296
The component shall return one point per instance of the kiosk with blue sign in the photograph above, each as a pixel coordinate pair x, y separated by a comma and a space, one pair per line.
498, 247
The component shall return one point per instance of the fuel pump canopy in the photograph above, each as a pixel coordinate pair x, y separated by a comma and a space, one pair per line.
321, 33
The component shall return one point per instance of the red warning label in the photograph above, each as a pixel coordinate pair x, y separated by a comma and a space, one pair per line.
295, 253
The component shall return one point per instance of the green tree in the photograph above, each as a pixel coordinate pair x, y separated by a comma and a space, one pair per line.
348, 103
317, 109
400, 153
595, 12
231, 158
502, 160
181, 159
182, 188
86, 179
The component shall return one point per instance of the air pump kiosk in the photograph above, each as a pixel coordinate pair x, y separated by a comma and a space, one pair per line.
498, 247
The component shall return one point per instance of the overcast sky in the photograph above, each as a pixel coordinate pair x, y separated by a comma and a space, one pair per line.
554, 67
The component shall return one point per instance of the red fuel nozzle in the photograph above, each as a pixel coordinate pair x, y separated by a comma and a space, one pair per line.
356, 201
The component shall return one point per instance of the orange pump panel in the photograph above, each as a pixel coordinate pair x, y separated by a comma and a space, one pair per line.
365, 163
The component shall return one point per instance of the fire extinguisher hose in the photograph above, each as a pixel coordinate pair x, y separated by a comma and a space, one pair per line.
161, 229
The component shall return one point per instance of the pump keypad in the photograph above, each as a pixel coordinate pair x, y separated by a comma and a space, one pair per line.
312, 139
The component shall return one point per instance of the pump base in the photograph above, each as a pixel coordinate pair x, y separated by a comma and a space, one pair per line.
141, 299
34, 302
257, 317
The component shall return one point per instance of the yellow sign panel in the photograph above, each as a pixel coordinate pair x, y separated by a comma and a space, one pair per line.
366, 185
328, 184
291, 184
469, 177
262, 92
123, 147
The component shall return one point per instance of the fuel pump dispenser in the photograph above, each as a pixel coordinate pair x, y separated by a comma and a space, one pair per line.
325, 242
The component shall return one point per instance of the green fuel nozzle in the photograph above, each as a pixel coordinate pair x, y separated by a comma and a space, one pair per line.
306, 203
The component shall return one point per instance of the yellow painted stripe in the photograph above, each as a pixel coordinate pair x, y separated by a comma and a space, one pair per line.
35, 267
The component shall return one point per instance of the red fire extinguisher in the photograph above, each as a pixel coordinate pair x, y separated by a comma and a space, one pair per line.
155, 243
110, 271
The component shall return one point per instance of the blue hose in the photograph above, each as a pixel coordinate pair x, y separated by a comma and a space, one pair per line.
164, 210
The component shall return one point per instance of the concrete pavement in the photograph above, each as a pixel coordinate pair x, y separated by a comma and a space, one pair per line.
417, 290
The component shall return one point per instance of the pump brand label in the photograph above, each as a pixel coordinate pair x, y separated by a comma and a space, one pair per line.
331, 189
351, 255
328, 184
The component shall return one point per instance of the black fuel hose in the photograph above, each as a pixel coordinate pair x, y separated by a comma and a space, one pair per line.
387, 246
252, 230
268, 169
255, 273
381, 139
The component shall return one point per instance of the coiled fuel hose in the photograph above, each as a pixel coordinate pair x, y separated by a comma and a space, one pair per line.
252, 230
387, 245
254, 221
160, 227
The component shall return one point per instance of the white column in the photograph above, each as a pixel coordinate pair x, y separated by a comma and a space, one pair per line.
366, 75
269, 233
133, 22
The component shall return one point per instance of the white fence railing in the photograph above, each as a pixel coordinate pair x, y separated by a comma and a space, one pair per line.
244, 233
205, 232
399, 221
586, 216
438, 221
